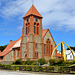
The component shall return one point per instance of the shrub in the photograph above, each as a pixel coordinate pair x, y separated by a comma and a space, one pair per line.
29, 62
52, 62
61, 61
66, 63
0, 64
17, 62
35, 63
29, 68
73, 62
23, 63
42, 61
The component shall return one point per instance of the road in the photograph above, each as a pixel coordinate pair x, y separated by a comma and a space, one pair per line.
27, 73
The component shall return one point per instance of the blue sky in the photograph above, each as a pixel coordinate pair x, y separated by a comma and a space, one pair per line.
58, 16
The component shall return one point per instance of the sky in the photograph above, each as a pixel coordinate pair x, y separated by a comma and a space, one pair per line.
58, 17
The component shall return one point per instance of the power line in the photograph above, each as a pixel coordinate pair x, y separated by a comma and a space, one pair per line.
15, 7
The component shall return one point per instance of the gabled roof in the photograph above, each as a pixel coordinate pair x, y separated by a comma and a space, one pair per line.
12, 44
17, 44
32, 11
8, 48
44, 33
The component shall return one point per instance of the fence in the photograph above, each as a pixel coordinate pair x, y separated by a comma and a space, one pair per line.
39, 69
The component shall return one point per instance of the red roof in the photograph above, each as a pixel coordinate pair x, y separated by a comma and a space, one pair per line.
58, 54
8, 48
32, 11
44, 32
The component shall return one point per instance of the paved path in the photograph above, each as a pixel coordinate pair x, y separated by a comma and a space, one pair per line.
27, 73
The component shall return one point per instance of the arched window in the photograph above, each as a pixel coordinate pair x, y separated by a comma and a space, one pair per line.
48, 47
27, 20
26, 29
37, 29
44, 49
34, 28
51, 48
36, 55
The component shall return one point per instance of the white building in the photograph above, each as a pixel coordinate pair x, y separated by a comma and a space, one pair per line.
68, 54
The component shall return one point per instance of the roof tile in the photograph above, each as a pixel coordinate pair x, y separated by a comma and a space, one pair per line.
32, 11
8, 48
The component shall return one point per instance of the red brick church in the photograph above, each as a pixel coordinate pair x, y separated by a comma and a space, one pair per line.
34, 43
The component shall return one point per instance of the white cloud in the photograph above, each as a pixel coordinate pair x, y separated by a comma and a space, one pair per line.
57, 14
19, 27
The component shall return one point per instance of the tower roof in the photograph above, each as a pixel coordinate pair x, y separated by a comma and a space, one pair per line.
32, 11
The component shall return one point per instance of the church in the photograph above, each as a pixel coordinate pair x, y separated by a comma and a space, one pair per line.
34, 43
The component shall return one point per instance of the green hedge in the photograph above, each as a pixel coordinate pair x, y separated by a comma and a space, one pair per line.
28, 62
36, 68
42, 61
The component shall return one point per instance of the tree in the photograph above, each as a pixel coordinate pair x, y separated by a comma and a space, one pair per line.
71, 48
2, 47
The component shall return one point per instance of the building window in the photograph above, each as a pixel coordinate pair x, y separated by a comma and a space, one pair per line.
36, 20
14, 52
37, 29
36, 55
35, 45
66, 56
48, 46
1, 58
44, 49
26, 29
70, 56
27, 20
34, 28
51, 49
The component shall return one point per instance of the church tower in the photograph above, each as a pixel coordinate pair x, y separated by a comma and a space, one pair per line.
32, 42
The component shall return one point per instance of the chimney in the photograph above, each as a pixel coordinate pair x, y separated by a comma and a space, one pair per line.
10, 40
